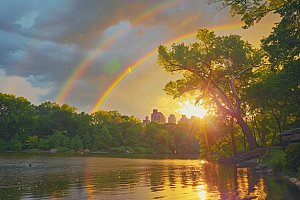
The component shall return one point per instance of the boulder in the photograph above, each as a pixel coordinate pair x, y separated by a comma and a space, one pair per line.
53, 151
293, 180
86, 151
261, 167
297, 184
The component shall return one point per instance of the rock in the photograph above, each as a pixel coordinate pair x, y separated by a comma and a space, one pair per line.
293, 180
261, 167
53, 151
86, 151
297, 184
268, 171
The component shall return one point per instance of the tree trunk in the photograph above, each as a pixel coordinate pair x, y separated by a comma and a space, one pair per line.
232, 137
247, 131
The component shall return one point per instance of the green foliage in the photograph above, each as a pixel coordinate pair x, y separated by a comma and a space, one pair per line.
49, 126
2, 145
32, 150
253, 11
105, 138
78, 143
17, 147
130, 137
275, 160
14, 144
292, 157
32, 142
271, 99
43, 144
87, 141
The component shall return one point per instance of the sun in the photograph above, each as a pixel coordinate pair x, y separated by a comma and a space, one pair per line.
188, 109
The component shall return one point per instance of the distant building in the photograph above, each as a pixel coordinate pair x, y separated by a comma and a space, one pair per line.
146, 121
157, 117
184, 119
172, 119
187, 120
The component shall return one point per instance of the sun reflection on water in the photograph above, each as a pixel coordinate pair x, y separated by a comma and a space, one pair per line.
202, 194
124, 178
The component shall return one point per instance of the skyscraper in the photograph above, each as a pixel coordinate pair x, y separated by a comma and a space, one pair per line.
146, 121
172, 119
157, 117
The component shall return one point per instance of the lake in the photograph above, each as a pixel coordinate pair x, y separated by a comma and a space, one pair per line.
132, 176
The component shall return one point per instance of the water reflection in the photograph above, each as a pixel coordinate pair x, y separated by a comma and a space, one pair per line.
96, 177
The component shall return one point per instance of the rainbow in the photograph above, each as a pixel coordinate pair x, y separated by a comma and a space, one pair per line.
69, 84
229, 61
147, 57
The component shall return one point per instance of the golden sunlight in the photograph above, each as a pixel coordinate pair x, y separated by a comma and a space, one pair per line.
189, 110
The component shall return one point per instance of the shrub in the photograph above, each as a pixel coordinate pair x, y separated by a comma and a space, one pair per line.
292, 157
60, 149
275, 160
138, 149
66, 149
266, 158
17, 147
43, 144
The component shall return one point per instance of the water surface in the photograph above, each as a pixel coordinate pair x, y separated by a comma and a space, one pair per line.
132, 176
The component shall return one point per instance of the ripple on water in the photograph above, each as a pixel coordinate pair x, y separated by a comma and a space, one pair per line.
99, 177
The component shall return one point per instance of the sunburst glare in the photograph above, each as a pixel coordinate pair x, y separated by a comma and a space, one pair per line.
188, 109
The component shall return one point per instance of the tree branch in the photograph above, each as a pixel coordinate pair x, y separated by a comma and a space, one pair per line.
220, 106
190, 89
247, 70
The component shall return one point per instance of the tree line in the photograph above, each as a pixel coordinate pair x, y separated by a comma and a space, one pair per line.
24, 126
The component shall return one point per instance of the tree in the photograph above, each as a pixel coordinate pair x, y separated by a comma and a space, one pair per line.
78, 143
282, 45
87, 141
105, 137
275, 95
17, 116
218, 68
252, 11
43, 144
130, 137
116, 134
32, 142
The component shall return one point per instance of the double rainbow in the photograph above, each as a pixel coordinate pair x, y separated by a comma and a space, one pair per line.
147, 57
69, 84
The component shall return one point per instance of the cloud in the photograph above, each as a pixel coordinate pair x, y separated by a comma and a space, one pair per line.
20, 87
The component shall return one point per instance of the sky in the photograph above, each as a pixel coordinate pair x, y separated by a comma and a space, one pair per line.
101, 54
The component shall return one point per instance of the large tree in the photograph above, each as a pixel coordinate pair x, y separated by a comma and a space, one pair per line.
277, 92
218, 69
282, 45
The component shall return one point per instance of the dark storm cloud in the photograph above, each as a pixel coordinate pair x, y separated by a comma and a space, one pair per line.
46, 41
